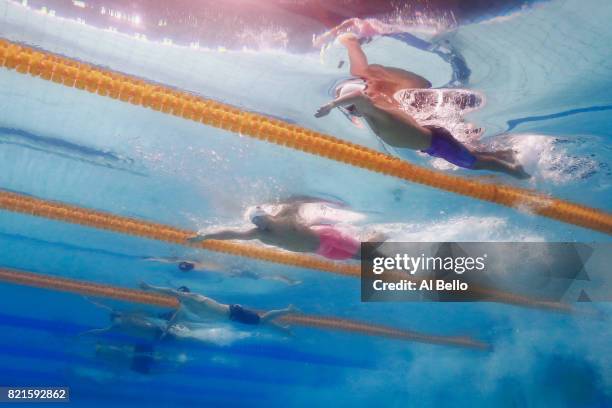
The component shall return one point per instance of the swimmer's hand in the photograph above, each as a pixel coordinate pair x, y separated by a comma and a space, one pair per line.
321, 40
197, 238
144, 286
323, 111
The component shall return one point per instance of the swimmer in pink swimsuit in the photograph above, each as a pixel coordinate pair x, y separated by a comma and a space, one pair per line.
336, 245
287, 230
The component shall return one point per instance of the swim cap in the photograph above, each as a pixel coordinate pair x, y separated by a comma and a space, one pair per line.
345, 88
349, 86
257, 212
186, 266
184, 289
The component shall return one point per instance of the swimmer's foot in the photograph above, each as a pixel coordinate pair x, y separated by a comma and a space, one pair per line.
508, 155
321, 40
283, 328
378, 237
519, 172
286, 329
166, 331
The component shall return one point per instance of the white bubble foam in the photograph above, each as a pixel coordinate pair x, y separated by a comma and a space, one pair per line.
464, 228
546, 158
221, 335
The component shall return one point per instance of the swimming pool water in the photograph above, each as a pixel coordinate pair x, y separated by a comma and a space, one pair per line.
545, 72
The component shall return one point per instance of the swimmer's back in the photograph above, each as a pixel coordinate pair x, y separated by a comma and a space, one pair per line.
400, 78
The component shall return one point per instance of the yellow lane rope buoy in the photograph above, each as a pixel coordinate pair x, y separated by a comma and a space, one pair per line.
161, 98
138, 296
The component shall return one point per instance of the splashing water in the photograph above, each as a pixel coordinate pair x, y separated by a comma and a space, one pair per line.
263, 38
444, 108
221, 335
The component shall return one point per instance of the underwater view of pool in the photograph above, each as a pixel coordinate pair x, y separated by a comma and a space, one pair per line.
99, 193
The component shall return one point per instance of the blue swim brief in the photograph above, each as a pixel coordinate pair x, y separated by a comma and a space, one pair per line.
445, 146
239, 314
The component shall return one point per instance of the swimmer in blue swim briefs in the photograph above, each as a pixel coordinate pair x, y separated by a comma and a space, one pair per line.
205, 308
372, 95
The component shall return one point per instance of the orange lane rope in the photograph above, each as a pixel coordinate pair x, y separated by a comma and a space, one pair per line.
103, 220
93, 79
85, 288
138, 296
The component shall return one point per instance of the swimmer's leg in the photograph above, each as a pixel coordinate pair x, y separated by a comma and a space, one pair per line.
507, 155
98, 331
284, 279
275, 314
494, 161
269, 316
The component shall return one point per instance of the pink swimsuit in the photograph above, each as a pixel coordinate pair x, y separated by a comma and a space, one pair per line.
334, 244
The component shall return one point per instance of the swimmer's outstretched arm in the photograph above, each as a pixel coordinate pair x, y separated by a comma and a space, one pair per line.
100, 305
161, 290
162, 260
357, 59
96, 331
332, 33
345, 100
227, 234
